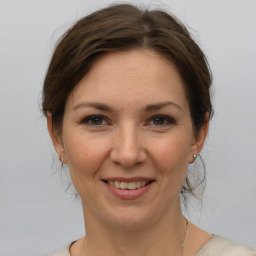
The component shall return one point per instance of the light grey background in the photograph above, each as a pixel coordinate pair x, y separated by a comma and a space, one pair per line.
36, 214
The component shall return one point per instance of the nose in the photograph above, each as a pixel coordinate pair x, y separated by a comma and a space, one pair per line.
128, 149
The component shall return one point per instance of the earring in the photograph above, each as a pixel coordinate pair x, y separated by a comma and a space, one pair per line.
194, 156
61, 158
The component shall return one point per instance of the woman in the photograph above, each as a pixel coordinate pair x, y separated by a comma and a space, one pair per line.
127, 101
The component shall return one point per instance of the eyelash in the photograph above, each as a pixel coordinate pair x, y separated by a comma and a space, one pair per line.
164, 118
91, 118
88, 120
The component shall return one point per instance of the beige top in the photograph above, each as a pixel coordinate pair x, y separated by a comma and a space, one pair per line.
216, 246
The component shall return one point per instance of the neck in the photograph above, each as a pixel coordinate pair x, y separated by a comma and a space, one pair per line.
163, 237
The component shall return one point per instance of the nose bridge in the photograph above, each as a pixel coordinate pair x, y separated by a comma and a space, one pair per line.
127, 149
128, 140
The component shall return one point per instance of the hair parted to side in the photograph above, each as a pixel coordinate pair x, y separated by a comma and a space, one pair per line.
125, 27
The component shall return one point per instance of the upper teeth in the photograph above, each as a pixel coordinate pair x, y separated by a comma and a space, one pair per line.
127, 185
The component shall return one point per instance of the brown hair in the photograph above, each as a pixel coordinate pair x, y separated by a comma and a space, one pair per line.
124, 27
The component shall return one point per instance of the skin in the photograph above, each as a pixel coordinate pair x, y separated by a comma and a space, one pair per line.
129, 139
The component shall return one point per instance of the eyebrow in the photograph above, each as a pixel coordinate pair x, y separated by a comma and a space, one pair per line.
99, 106
147, 108
161, 105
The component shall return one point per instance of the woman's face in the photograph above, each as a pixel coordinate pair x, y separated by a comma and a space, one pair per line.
128, 139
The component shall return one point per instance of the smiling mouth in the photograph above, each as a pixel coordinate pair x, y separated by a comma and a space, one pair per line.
128, 185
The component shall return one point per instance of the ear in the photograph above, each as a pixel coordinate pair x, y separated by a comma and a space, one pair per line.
198, 143
56, 140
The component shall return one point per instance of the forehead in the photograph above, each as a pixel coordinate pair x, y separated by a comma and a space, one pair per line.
133, 77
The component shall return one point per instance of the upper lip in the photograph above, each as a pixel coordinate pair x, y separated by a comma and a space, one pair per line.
128, 179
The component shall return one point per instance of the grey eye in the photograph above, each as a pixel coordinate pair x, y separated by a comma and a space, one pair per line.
159, 120
94, 120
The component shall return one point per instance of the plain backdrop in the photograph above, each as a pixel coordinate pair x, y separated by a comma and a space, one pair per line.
36, 214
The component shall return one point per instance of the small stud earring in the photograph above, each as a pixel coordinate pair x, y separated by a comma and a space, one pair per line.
61, 158
194, 156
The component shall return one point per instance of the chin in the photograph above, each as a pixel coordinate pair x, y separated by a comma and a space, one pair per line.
130, 218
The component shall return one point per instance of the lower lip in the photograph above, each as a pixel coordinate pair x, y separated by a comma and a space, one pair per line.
128, 194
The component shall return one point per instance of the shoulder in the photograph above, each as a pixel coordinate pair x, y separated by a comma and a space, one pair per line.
64, 251
220, 246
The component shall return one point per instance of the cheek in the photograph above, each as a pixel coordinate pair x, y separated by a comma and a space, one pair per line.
171, 163
84, 155
84, 158
172, 153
